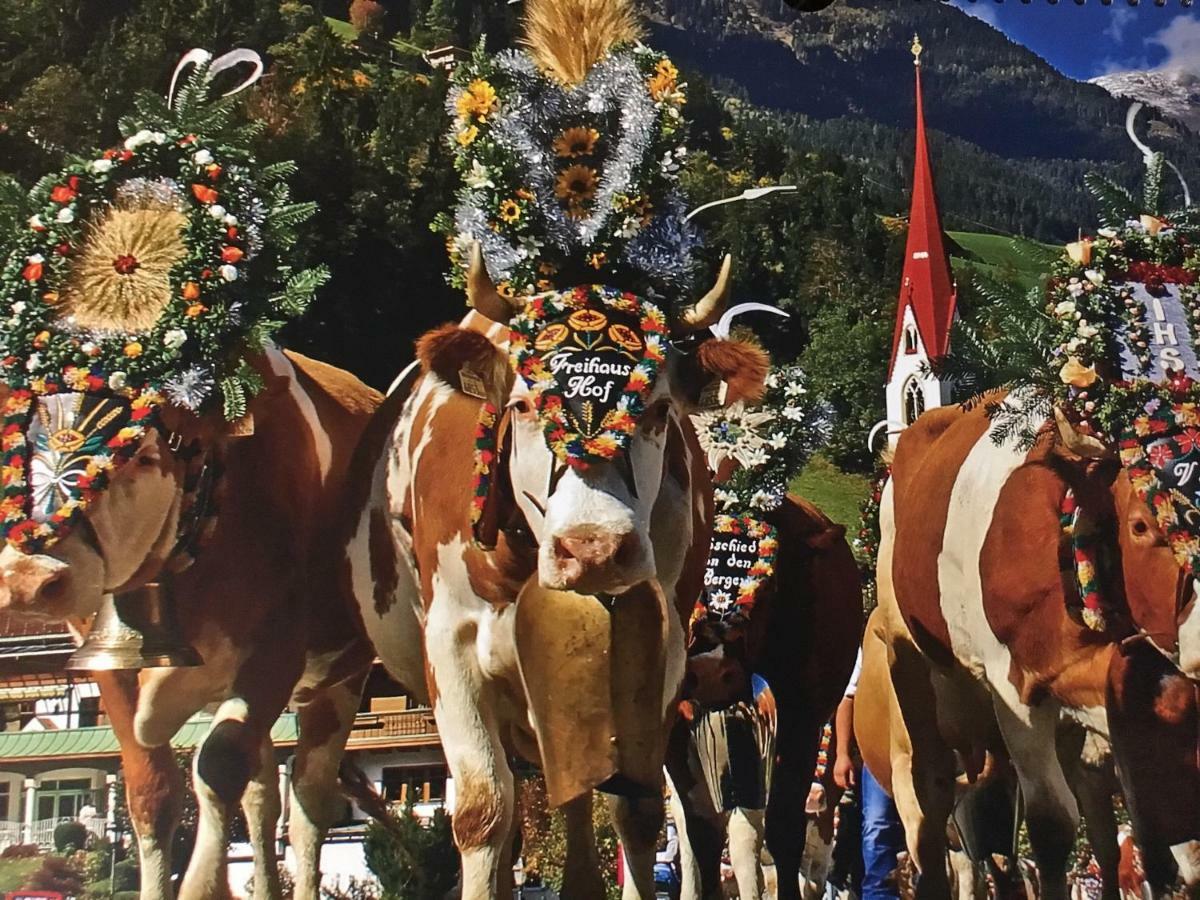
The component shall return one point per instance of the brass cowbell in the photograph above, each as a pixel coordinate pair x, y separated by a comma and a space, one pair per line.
135, 630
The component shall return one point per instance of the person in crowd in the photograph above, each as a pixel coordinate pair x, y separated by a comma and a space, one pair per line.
882, 833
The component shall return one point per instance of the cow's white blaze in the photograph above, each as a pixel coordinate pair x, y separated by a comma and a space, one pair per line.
1028, 730
597, 505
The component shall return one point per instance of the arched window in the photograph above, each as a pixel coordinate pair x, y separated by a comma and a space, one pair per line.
914, 400
910, 339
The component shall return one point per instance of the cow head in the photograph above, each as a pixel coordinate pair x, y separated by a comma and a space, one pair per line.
97, 505
1160, 592
602, 380
1162, 595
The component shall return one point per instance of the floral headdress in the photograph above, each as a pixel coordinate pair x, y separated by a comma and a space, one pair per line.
142, 274
1125, 373
767, 443
159, 263
570, 169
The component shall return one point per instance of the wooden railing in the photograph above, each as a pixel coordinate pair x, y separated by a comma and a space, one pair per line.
409, 726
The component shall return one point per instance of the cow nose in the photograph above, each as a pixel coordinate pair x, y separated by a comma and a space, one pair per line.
29, 582
592, 548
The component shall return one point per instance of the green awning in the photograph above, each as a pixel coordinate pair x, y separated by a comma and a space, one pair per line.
72, 743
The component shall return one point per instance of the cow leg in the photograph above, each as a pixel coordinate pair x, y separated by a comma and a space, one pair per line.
581, 870
1093, 792
924, 793
817, 861
701, 828
325, 723
153, 785
221, 769
786, 821
638, 821
262, 807
1051, 814
464, 709
689, 866
745, 851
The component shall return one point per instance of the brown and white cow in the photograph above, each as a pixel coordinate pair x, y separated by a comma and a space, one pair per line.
801, 637
507, 676
972, 549
260, 604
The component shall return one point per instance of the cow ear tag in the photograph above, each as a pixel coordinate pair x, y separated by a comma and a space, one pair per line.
472, 384
712, 396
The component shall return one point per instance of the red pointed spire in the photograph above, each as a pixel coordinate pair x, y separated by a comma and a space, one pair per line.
927, 285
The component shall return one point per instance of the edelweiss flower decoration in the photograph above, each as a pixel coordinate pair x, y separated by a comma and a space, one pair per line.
769, 442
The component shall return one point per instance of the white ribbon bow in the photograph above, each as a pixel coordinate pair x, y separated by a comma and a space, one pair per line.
199, 56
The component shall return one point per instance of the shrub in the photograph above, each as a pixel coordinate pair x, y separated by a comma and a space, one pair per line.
20, 851
367, 17
353, 889
412, 861
63, 874
71, 836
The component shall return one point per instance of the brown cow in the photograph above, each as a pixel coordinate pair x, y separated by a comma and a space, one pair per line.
801, 637
585, 686
971, 549
260, 604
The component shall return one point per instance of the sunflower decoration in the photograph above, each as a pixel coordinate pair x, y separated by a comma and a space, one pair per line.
584, 127
575, 142
146, 275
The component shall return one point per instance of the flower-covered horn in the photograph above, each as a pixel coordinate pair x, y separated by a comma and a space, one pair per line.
1083, 445
481, 291
709, 308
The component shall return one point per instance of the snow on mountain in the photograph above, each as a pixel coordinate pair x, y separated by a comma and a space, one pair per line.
1175, 92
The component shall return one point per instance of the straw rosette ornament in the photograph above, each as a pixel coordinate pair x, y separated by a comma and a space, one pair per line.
143, 275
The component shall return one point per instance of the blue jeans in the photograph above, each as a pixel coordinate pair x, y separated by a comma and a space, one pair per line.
882, 840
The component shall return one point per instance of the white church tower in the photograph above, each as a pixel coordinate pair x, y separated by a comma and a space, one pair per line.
926, 308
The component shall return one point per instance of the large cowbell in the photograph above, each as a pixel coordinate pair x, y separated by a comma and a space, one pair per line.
591, 353
595, 677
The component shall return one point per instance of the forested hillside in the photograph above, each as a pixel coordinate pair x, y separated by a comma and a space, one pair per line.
357, 107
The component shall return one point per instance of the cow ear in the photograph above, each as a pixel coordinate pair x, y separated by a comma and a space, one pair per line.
467, 361
740, 366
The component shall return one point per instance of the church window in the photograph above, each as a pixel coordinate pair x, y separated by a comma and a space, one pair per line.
914, 401
910, 339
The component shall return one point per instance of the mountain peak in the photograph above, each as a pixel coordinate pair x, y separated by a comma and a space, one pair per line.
1174, 92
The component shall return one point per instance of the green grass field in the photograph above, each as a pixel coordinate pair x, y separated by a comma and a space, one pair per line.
837, 493
15, 872
1001, 256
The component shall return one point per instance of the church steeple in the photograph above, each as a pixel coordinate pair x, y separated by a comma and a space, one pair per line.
925, 311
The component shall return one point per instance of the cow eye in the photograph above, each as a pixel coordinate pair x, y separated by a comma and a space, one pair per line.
656, 414
521, 406
1141, 528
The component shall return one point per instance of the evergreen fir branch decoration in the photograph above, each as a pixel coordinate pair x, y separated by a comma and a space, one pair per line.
157, 265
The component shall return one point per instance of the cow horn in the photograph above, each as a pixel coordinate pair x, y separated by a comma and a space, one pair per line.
1083, 445
709, 308
481, 291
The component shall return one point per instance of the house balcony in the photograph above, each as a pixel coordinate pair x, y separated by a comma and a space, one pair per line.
397, 728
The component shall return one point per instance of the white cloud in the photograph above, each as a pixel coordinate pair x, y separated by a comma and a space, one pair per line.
984, 10
1120, 17
1181, 40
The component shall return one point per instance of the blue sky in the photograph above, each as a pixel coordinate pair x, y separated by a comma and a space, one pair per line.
1085, 41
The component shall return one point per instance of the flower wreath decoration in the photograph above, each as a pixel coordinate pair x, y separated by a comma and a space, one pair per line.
1085, 552
1162, 442
722, 605
158, 264
146, 274
569, 444
1111, 299
569, 183
770, 442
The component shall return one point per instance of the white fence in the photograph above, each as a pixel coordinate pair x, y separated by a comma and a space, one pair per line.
41, 832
